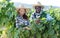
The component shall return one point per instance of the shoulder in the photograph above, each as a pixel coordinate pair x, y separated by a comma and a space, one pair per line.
44, 12
33, 13
18, 17
32, 16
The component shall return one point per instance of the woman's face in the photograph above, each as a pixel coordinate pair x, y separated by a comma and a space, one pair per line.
22, 12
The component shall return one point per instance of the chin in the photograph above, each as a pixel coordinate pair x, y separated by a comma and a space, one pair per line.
38, 12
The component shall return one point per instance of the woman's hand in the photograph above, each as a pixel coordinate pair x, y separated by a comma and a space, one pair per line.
27, 28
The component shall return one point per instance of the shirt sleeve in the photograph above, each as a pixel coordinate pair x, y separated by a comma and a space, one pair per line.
17, 22
48, 17
32, 17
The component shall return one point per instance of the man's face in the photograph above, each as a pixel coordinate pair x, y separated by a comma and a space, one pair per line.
38, 9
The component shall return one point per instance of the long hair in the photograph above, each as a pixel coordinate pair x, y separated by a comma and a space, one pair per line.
24, 16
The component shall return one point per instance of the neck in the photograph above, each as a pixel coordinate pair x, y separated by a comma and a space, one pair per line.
21, 15
37, 12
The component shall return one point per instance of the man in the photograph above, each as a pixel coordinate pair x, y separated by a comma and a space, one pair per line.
39, 13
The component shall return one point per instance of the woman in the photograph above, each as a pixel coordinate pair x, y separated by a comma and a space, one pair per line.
22, 18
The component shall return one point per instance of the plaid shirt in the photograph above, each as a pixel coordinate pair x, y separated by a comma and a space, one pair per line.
20, 21
37, 15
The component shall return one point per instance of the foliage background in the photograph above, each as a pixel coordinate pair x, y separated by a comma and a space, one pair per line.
46, 29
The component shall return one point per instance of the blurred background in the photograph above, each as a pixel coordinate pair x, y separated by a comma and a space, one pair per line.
29, 3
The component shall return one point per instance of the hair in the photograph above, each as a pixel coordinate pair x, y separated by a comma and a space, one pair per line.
24, 16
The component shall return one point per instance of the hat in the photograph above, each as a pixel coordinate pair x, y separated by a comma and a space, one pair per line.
38, 4
22, 7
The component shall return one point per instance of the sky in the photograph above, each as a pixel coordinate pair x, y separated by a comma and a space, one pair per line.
43, 2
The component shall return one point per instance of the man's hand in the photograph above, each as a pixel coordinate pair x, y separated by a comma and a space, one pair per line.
37, 21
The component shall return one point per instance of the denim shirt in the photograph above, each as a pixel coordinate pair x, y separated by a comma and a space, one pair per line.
48, 17
20, 21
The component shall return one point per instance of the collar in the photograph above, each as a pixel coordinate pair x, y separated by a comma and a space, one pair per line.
20, 16
39, 13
